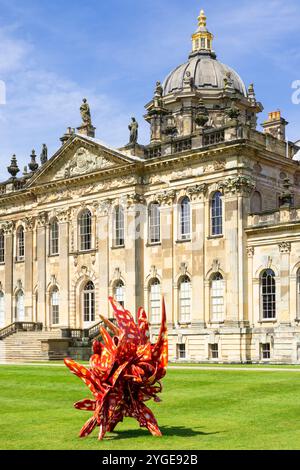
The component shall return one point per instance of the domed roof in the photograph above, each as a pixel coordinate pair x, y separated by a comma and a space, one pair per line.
207, 73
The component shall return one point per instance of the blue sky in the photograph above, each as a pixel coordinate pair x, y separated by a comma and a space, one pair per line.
52, 54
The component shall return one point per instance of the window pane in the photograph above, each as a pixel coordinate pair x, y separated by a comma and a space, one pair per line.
89, 303
185, 219
54, 238
2, 310
119, 293
20, 244
85, 223
217, 215
119, 227
185, 296
55, 307
2, 247
268, 292
154, 223
20, 307
155, 301
217, 299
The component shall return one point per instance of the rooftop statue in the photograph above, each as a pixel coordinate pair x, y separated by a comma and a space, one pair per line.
133, 127
86, 113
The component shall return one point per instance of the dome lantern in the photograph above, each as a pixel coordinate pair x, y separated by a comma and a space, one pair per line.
202, 39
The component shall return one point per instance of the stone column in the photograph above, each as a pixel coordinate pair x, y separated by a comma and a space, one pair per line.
9, 269
134, 250
197, 195
64, 267
168, 232
103, 248
250, 316
237, 192
29, 256
285, 316
41, 268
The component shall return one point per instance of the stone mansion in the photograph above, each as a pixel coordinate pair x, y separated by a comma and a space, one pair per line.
206, 215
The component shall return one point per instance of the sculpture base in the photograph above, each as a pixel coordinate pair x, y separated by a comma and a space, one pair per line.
87, 130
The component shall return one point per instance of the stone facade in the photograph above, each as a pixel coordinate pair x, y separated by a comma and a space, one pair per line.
204, 142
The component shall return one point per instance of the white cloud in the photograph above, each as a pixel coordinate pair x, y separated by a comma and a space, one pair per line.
41, 105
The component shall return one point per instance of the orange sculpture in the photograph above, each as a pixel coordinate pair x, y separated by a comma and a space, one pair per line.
124, 373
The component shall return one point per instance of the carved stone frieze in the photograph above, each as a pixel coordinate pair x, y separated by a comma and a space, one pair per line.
285, 247
194, 192
83, 162
250, 251
42, 219
238, 185
166, 198
8, 227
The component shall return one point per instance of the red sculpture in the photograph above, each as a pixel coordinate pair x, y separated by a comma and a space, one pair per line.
124, 373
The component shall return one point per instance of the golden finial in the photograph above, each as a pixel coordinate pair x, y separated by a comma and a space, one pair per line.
202, 19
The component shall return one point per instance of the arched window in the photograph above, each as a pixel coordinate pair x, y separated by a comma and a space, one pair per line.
155, 301
256, 203
2, 247
119, 226
298, 294
154, 223
217, 214
54, 304
185, 300
185, 219
217, 298
20, 244
268, 294
119, 292
89, 303
54, 237
20, 311
2, 310
85, 231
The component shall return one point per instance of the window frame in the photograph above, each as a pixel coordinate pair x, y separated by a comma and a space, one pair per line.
216, 215
268, 305
155, 303
185, 219
2, 247
54, 241
54, 306
185, 302
154, 223
119, 227
215, 294
265, 349
181, 351
20, 248
89, 303
20, 295
85, 223
120, 298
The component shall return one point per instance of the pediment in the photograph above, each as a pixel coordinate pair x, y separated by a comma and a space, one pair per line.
78, 158
84, 161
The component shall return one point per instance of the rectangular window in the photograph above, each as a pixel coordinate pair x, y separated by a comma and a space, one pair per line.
119, 227
154, 223
155, 302
185, 295
54, 239
181, 351
2, 248
202, 43
266, 351
214, 351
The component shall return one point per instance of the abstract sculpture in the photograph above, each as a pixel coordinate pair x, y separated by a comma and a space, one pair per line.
124, 373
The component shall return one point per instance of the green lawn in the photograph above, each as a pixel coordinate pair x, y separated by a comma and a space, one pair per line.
200, 410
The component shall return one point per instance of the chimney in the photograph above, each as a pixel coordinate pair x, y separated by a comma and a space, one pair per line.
275, 125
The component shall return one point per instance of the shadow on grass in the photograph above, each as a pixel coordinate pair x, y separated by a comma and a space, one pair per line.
167, 431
